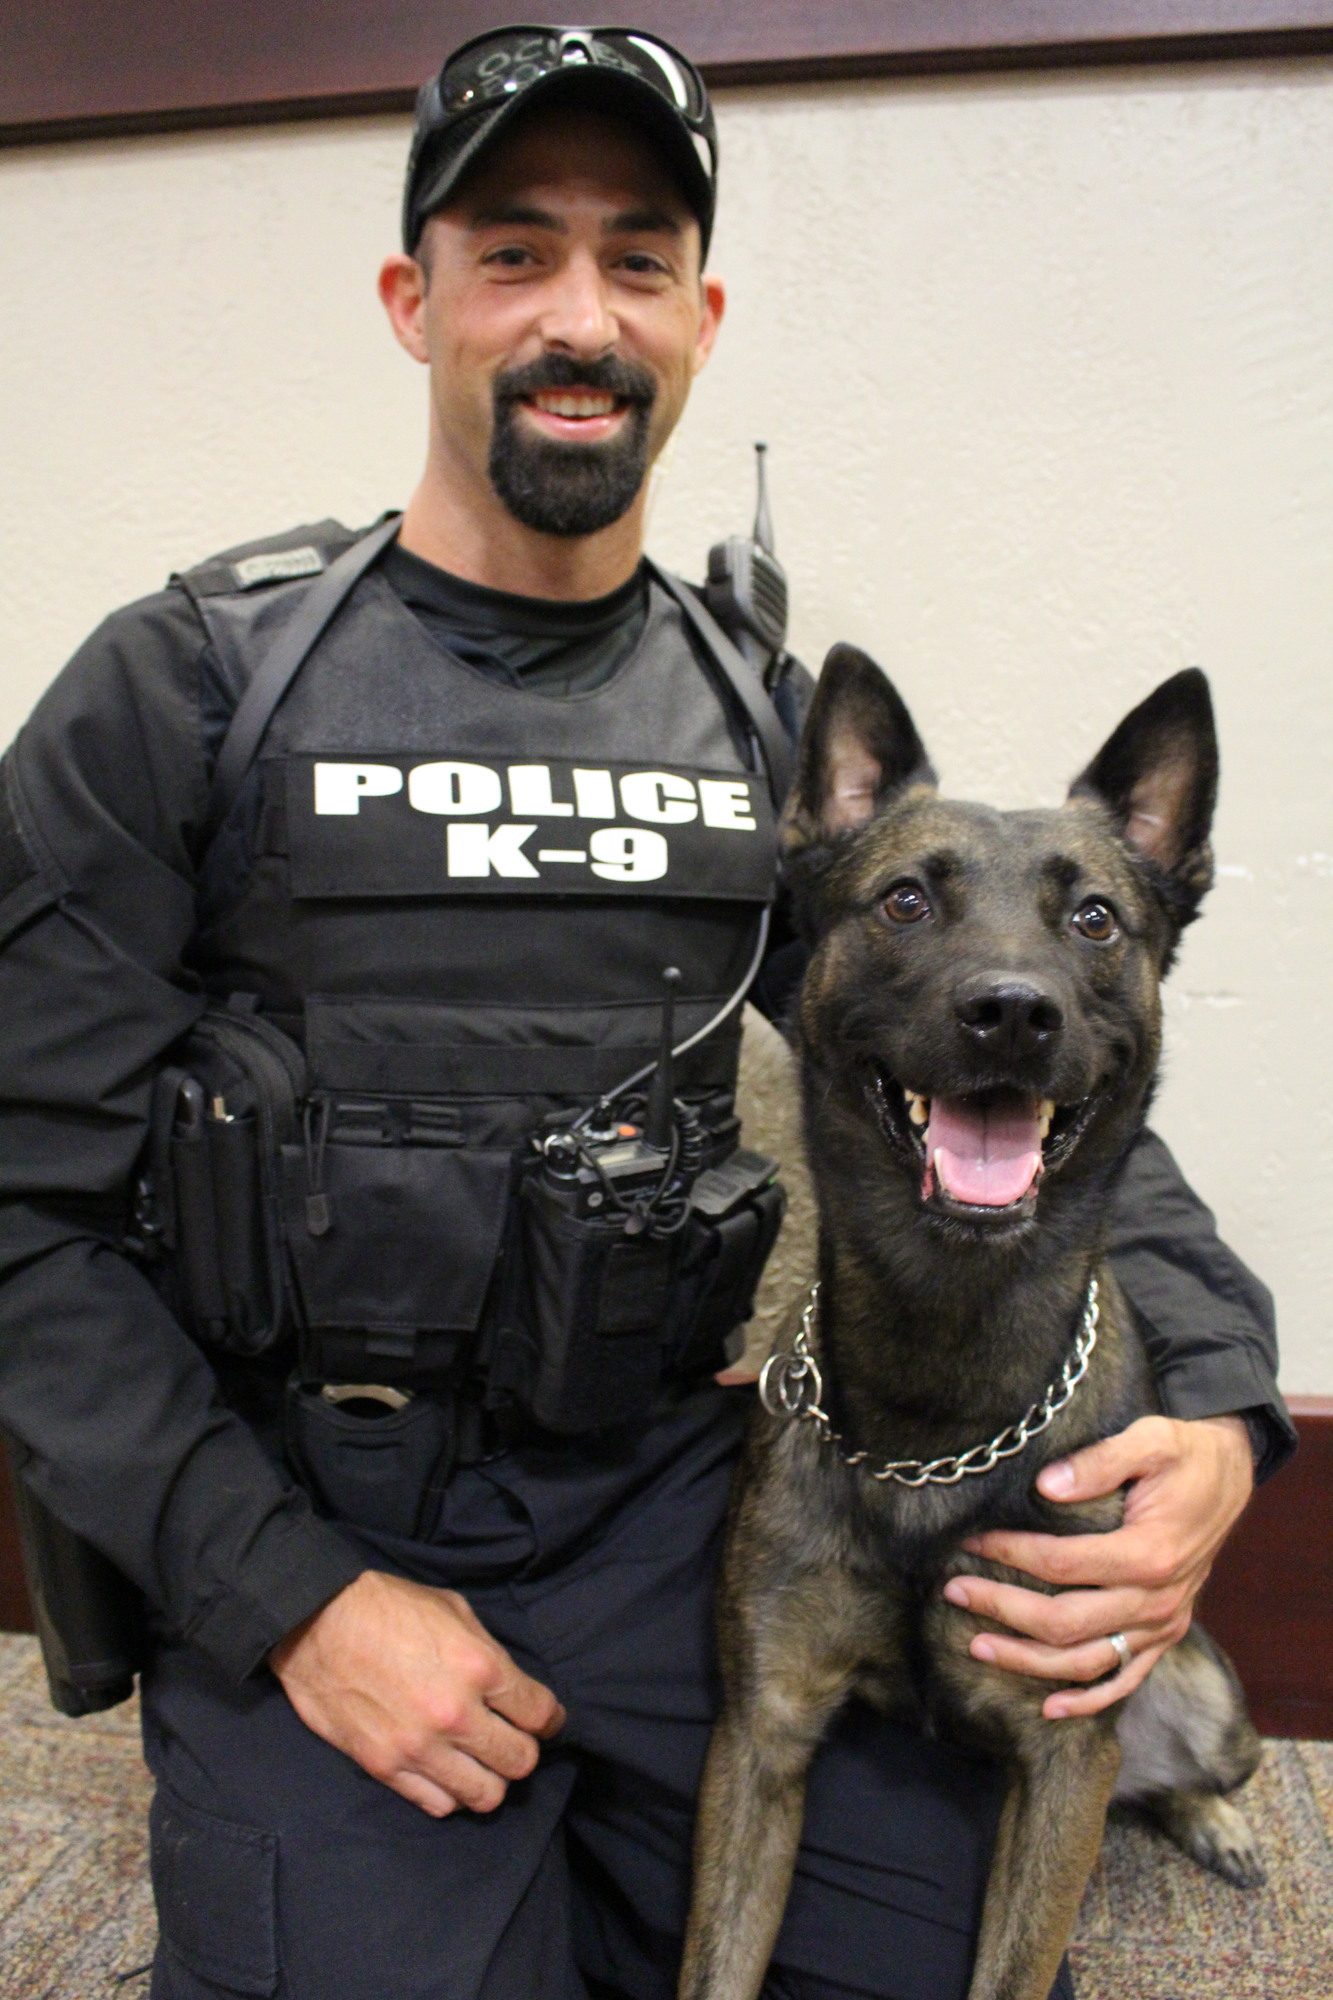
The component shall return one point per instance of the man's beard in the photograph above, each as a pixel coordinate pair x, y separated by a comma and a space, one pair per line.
570, 489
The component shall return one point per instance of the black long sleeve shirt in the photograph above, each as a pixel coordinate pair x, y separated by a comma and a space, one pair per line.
126, 1434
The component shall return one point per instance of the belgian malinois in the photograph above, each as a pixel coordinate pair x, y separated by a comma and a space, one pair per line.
978, 1033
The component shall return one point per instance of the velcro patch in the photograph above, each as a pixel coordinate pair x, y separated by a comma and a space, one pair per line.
279, 566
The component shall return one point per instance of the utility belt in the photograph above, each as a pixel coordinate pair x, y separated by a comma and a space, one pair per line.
434, 1297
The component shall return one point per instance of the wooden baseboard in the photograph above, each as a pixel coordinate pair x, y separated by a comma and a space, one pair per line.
15, 1610
1269, 1600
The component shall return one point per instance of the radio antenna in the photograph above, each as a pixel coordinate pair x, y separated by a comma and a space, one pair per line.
763, 520
662, 1094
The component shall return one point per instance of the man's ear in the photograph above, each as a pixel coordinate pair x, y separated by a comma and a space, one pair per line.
859, 746
1158, 775
402, 290
713, 304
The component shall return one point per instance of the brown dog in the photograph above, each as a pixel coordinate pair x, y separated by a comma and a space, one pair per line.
978, 1032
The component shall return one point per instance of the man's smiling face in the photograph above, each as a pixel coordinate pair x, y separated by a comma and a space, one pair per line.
564, 319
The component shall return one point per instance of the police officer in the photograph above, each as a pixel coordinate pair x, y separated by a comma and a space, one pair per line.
431, 1672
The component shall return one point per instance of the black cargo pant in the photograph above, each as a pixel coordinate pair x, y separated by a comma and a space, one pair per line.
282, 1869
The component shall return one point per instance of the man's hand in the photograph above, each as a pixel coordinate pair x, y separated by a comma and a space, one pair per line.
406, 1681
1190, 1482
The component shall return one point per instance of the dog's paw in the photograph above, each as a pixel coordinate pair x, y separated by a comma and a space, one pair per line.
1214, 1833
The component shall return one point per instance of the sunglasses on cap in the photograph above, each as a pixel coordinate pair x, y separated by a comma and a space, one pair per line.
494, 71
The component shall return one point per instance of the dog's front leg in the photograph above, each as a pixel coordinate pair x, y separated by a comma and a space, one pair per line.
1050, 1831
790, 1667
750, 1813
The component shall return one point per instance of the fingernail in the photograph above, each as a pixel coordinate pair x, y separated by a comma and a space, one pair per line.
956, 1591
1057, 1478
1056, 1711
982, 1649
973, 1545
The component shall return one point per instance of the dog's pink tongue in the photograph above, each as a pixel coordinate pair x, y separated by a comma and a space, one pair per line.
986, 1154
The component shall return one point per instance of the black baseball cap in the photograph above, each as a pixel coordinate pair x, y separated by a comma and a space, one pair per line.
490, 80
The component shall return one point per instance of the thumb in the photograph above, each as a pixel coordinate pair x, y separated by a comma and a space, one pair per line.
1103, 1467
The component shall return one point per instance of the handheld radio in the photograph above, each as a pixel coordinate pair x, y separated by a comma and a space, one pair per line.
746, 589
634, 1260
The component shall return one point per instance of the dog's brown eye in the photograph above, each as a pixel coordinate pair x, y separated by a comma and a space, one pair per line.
906, 903
1096, 921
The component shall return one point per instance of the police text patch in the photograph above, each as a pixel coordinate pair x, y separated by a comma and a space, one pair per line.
427, 826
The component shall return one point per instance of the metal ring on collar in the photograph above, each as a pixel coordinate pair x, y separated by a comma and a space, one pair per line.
790, 1385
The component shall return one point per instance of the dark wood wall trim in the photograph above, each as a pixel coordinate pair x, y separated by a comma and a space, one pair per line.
79, 69
1269, 1600
15, 1610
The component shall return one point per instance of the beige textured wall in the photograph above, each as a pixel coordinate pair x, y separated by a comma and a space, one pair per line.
1047, 369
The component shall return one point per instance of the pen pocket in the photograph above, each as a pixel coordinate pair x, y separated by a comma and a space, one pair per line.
209, 1191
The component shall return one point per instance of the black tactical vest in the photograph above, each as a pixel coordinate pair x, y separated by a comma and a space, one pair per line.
458, 899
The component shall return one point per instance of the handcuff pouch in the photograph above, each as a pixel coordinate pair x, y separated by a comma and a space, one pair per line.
371, 1464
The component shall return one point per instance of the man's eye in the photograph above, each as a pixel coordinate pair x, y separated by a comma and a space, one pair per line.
906, 903
513, 256
640, 264
1096, 921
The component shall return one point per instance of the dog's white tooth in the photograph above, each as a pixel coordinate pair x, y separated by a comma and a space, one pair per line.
918, 1109
1045, 1113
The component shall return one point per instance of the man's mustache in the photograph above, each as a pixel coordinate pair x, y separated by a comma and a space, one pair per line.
627, 380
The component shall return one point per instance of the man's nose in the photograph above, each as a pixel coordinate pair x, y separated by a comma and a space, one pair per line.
577, 317
1005, 1016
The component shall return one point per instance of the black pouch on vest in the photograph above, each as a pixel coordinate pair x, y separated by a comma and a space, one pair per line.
222, 1110
393, 1227
589, 1307
598, 1320
736, 1211
371, 1457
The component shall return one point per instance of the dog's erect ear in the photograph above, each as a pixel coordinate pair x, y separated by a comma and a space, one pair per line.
858, 748
1158, 775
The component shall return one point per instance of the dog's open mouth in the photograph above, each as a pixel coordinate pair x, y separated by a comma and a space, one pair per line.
981, 1154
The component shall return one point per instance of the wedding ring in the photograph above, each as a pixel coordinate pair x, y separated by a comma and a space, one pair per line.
1120, 1646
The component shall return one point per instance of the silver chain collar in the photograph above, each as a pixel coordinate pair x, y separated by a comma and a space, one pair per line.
791, 1385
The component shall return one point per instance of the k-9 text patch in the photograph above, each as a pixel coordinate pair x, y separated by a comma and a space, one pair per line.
427, 826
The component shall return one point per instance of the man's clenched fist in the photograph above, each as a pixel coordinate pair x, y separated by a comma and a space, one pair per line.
405, 1680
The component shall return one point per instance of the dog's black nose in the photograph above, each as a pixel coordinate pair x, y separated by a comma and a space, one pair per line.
1006, 1016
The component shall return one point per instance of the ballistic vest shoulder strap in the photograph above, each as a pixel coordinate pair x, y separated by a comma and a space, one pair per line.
744, 683
279, 668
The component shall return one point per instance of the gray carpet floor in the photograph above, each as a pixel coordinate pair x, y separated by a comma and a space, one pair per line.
76, 1916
